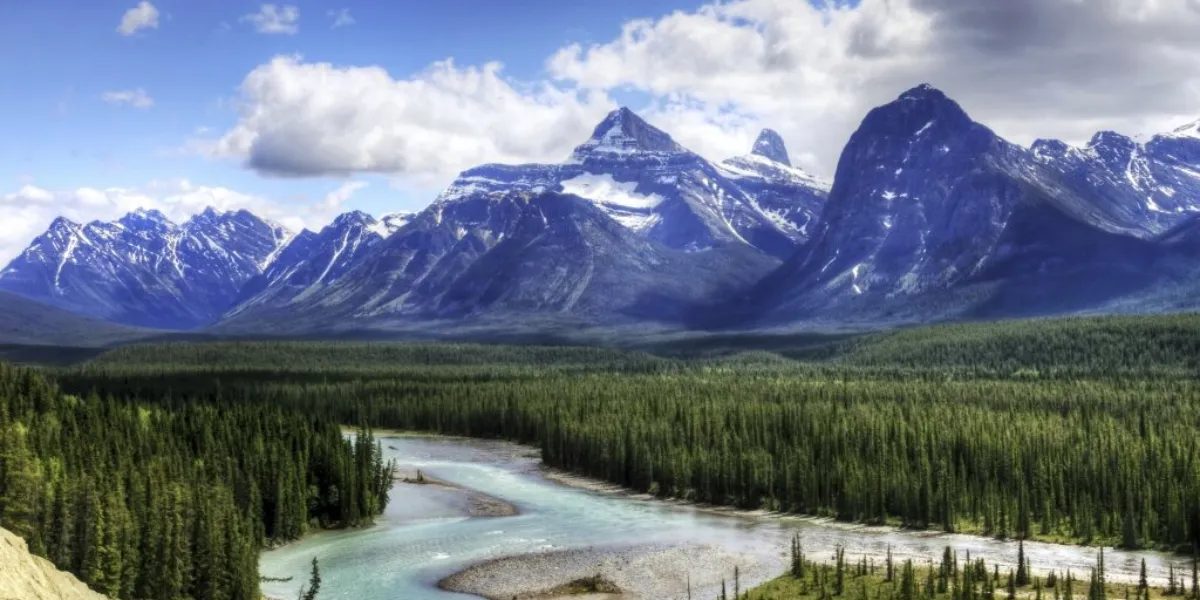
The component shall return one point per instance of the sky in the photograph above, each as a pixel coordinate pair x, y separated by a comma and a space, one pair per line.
301, 110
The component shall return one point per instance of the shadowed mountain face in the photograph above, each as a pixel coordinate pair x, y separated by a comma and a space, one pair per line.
26, 321
933, 215
145, 270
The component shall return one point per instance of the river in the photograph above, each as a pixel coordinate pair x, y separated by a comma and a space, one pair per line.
426, 533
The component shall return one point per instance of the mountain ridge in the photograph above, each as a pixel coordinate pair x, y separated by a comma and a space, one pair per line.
930, 216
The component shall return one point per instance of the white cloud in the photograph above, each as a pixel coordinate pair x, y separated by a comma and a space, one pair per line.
333, 201
30, 210
142, 16
135, 98
1028, 68
275, 19
341, 17
714, 76
305, 119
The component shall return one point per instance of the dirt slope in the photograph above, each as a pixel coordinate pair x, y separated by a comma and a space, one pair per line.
24, 576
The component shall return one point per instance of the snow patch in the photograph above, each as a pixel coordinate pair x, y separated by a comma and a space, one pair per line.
603, 189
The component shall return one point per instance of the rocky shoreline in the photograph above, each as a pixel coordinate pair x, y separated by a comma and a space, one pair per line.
615, 573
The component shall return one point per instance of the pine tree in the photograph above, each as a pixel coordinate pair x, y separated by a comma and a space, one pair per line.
1022, 569
839, 581
1195, 573
1129, 536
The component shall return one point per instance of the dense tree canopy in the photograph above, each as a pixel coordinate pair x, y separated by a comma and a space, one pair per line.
1075, 429
173, 500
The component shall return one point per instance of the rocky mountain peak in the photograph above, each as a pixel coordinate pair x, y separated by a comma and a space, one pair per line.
770, 145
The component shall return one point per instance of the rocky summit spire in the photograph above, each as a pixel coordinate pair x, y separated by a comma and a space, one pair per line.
770, 145
623, 132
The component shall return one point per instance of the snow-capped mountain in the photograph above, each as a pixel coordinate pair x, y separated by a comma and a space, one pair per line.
926, 203
142, 269
792, 197
1149, 188
930, 216
639, 176
630, 173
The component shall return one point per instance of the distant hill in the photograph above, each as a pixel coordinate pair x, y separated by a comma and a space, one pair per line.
25, 321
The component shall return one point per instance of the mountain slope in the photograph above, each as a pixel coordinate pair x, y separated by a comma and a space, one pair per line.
143, 269
566, 256
26, 321
933, 216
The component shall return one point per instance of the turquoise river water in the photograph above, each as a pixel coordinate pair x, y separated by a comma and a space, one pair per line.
425, 534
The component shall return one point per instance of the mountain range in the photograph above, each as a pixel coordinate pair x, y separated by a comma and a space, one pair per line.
930, 216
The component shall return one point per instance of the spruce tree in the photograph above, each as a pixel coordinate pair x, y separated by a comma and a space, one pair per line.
1022, 569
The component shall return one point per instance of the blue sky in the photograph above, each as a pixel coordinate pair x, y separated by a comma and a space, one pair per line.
297, 119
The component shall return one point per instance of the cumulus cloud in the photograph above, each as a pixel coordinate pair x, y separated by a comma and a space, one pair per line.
1028, 68
341, 17
30, 210
309, 119
716, 75
142, 16
135, 98
275, 19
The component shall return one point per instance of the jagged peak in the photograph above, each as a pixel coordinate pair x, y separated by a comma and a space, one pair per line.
920, 111
1050, 145
624, 132
923, 92
351, 218
1110, 138
769, 144
63, 224
142, 216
